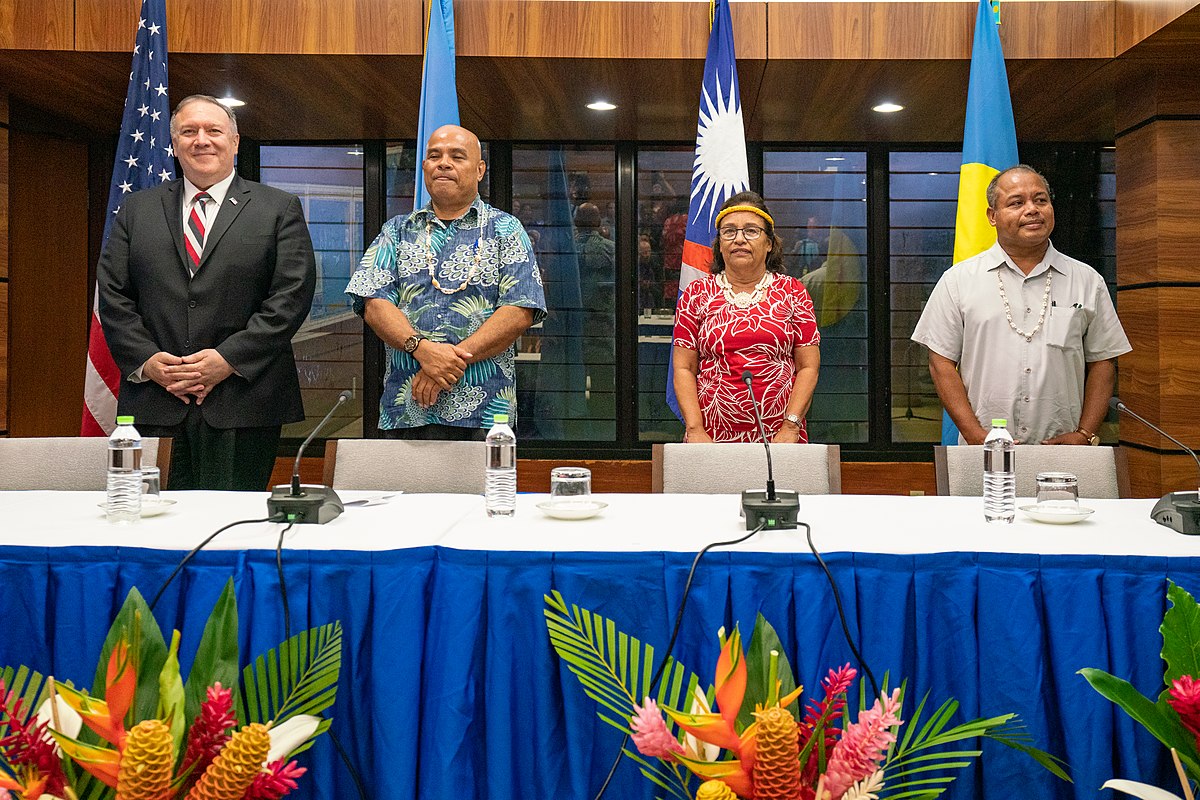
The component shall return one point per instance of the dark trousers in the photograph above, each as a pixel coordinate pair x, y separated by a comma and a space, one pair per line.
445, 433
223, 459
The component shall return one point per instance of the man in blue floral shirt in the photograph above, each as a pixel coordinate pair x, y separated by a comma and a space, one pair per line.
449, 288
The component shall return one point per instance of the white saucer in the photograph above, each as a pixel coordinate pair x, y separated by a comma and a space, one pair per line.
150, 508
1057, 516
572, 509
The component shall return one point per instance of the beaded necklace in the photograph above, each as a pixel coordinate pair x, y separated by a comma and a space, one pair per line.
431, 258
1008, 309
744, 300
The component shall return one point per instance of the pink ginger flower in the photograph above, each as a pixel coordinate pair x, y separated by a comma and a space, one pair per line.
650, 732
861, 748
277, 780
209, 731
836, 683
1185, 699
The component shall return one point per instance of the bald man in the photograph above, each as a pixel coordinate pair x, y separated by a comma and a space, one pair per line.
449, 288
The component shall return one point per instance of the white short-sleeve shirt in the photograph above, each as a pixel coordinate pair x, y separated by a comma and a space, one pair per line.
1036, 384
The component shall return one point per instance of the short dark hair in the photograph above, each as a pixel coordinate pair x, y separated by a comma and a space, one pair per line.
204, 98
774, 257
993, 189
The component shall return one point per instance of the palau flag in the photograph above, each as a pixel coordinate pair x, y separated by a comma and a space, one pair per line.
720, 169
439, 92
989, 146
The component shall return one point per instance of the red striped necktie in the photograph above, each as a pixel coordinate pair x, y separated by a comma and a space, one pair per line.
193, 235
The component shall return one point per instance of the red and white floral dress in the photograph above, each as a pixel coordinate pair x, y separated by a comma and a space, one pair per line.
730, 340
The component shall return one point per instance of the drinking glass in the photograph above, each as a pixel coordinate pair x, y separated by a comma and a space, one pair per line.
1058, 491
151, 485
569, 484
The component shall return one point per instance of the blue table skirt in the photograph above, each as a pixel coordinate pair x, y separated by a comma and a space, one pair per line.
450, 688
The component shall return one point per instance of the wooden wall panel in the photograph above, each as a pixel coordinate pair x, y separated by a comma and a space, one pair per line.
920, 30
335, 27
903, 478
550, 28
1152, 475
4, 357
37, 24
1072, 29
48, 289
1135, 20
816, 30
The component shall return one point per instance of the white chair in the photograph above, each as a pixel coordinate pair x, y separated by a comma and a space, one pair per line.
1103, 472
398, 465
730, 467
65, 463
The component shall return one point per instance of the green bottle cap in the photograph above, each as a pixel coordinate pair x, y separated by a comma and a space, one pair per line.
999, 423
498, 419
124, 420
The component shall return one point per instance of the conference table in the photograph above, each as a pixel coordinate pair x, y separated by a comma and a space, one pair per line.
450, 687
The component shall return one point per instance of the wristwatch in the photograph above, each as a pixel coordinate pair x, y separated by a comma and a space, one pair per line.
1092, 438
410, 344
793, 418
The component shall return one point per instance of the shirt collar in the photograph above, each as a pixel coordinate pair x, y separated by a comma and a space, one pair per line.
425, 215
996, 258
217, 191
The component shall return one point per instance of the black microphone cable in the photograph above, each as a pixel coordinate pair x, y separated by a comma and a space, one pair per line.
183, 562
687, 589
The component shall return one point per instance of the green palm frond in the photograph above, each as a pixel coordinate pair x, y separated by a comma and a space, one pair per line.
28, 687
674, 779
507, 282
406, 293
298, 677
614, 667
474, 306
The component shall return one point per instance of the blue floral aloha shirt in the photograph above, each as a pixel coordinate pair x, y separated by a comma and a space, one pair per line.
396, 268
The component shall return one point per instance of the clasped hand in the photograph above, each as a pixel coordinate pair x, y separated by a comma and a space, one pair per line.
442, 367
190, 377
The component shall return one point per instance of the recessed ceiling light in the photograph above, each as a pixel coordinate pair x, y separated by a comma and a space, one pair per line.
231, 101
888, 108
834, 158
601, 105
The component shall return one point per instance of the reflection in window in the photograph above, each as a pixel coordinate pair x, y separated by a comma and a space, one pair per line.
402, 164
566, 369
329, 182
818, 200
923, 200
664, 183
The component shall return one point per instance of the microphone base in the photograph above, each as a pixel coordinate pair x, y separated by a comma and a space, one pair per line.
778, 514
314, 505
1179, 511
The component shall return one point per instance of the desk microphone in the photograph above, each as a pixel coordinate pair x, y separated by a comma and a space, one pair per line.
307, 504
769, 509
1179, 511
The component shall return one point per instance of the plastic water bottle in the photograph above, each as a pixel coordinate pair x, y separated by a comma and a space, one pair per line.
501, 492
124, 472
999, 474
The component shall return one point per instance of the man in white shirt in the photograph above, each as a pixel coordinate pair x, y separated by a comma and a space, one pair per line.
1021, 331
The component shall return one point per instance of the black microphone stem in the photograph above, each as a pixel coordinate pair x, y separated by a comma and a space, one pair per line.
1119, 406
343, 397
748, 378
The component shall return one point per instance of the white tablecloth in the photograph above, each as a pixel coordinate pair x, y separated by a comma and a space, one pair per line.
631, 522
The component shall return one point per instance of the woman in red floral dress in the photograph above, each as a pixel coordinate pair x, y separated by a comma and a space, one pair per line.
747, 315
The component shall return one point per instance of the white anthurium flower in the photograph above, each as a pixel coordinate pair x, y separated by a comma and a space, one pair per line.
287, 736
68, 718
692, 746
1143, 790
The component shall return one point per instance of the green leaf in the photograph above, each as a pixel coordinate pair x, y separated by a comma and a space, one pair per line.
148, 650
217, 655
302, 681
763, 640
170, 694
1181, 635
1157, 718
28, 687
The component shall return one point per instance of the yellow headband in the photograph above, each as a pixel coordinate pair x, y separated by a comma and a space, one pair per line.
751, 209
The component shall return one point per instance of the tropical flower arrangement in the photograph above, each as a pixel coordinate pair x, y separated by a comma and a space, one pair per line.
1174, 717
745, 735
143, 733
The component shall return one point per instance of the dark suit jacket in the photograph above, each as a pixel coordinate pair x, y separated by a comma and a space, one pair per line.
250, 295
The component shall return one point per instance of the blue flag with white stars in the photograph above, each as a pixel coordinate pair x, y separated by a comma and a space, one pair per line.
144, 154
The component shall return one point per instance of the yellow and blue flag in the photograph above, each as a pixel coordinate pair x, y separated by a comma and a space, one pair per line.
439, 91
989, 146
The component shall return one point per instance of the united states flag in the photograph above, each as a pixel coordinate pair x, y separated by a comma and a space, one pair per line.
144, 158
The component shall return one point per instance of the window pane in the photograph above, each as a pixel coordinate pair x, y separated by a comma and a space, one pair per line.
566, 370
328, 180
819, 203
664, 182
923, 201
401, 168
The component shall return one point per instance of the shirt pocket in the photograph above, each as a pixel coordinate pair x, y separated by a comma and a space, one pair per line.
1064, 328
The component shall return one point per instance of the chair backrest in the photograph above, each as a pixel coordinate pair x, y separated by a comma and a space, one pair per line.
1103, 472
398, 465
730, 467
77, 463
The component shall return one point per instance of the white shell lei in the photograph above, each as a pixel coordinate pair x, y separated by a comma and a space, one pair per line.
1008, 309
744, 300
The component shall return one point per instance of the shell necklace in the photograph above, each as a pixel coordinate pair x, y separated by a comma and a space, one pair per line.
431, 258
1008, 309
744, 300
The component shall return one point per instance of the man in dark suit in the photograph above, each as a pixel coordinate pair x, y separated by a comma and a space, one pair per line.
203, 283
